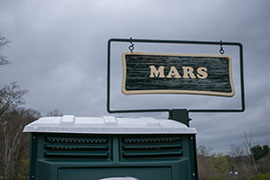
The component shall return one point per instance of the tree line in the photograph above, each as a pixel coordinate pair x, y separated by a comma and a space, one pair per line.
14, 144
236, 165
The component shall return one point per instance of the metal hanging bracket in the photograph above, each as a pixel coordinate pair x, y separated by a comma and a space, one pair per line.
180, 115
154, 41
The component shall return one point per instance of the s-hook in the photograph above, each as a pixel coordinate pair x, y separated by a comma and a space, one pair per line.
131, 47
221, 50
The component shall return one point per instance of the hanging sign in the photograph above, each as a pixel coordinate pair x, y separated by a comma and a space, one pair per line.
157, 73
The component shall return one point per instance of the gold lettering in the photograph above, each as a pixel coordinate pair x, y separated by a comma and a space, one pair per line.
202, 73
188, 72
157, 73
173, 72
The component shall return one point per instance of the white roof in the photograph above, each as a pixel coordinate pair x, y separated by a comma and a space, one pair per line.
107, 125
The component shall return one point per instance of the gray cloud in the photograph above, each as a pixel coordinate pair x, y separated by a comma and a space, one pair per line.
58, 52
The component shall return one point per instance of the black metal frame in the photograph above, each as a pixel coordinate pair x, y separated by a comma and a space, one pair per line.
176, 42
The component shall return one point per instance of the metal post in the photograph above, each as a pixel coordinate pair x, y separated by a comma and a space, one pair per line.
180, 115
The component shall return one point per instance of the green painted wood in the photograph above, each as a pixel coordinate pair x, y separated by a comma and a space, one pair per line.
137, 74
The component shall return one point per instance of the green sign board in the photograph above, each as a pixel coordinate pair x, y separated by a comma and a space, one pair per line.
157, 73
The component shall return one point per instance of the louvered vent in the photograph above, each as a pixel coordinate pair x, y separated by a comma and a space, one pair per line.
77, 147
151, 147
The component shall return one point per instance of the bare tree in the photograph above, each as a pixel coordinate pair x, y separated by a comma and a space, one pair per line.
14, 149
55, 112
205, 165
11, 97
3, 42
248, 145
236, 151
203, 151
13, 118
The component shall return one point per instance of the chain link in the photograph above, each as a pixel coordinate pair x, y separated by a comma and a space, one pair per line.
131, 47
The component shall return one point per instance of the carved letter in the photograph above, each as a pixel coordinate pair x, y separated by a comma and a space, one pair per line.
173, 72
157, 73
188, 72
202, 73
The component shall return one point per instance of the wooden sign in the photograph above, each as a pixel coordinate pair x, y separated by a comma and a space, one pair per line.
157, 73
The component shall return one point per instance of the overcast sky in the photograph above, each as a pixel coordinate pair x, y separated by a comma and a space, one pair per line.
59, 53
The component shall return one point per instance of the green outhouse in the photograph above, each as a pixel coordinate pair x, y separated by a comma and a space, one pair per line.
110, 148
